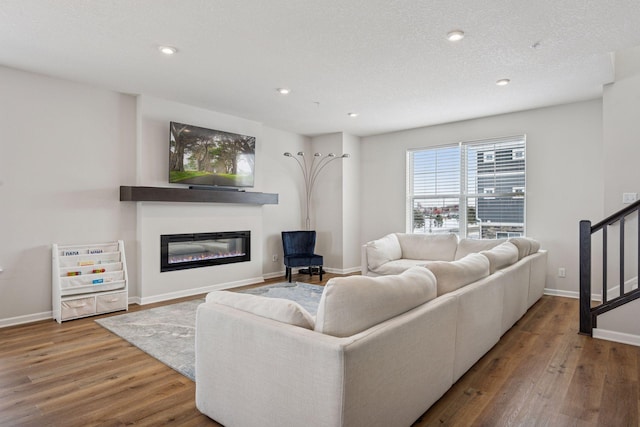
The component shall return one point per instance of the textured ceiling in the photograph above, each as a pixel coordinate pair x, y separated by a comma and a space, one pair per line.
387, 60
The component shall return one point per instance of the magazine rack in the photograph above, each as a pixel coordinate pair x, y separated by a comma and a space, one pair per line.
88, 280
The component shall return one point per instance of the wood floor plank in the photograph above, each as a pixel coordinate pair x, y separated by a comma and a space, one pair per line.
584, 394
541, 373
619, 405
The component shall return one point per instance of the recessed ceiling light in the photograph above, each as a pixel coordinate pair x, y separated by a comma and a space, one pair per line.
168, 50
352, 114
503, 82
455, 35
284, 91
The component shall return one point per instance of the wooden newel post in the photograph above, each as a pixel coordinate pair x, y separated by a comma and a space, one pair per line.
586, 325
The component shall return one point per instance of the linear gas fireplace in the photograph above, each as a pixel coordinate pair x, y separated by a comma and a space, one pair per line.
182, 251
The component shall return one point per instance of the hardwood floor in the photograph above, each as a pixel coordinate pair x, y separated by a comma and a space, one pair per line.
541, 373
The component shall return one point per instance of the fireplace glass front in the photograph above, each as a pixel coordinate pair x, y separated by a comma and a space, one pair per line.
182, 251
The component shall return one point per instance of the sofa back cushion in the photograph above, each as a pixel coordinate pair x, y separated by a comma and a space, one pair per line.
431, 247
475, 246
526, 246
456, 274
279, 309
501, 256
354, 303
383, 250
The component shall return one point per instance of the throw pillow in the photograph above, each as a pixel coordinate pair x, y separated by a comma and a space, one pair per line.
382, 251
456, 274
279, 309
501, 256
429, 247
352, 304
474, 246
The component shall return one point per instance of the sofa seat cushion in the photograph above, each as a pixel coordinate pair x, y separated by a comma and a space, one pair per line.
474, 246
398, 266
430, 247
354, 303
279, 309
382, 251
456, 274
503, 255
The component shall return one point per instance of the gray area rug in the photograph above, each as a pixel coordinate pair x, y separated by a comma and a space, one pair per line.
305, 294
168, 333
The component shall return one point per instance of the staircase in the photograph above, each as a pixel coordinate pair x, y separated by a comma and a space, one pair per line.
588, 311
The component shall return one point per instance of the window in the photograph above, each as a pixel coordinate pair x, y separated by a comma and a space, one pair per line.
485, 180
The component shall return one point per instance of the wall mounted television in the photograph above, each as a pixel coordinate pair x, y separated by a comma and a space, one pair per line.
207, 157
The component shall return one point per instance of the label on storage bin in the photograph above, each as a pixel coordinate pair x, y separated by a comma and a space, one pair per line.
96, 281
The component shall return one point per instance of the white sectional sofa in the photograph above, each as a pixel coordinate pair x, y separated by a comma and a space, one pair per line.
380, 351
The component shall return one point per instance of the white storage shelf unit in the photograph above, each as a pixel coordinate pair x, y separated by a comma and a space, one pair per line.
89, 280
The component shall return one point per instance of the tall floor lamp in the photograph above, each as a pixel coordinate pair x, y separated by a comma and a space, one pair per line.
310, 172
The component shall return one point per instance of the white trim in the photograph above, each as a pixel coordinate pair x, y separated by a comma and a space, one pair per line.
629, 285
196, 291
614, 336
561, 293
274, 274
343, 270
133, 300
28, 318
326, 269
612, 293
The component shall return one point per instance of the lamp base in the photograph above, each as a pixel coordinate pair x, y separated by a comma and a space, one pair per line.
314, 270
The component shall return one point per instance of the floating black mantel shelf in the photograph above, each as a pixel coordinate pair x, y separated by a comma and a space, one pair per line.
175, 194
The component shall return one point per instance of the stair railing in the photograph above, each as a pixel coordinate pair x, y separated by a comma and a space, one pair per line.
588, 313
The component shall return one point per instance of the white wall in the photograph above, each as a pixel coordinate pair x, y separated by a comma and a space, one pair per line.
351, 204
265, 222
336, 203
621, 103
282, 175
564, 175
326, 202
65, 150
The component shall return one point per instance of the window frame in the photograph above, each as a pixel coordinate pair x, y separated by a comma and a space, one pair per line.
466, 195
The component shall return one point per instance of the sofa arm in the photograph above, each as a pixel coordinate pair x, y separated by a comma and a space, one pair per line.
253, 371
250, 370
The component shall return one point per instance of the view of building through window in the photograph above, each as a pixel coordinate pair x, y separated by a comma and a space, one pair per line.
485, 180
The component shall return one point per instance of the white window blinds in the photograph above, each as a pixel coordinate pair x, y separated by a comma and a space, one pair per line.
485, 179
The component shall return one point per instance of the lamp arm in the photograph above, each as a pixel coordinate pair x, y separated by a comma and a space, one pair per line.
310, 174
319, 169
307, 187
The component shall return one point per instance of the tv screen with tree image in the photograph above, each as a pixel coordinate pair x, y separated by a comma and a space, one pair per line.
200, 156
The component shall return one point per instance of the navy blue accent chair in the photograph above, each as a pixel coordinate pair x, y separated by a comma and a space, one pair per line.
298, 249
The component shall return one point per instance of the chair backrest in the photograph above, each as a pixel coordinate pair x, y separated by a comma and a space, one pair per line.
298, 242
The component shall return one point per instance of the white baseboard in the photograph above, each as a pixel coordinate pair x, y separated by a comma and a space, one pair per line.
343, 270
561, 293
273, 275
611, 293
28, 318
202, 290
614, 336
326, 269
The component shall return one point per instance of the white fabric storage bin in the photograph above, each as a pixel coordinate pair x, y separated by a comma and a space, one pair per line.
111, 302
78, 307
